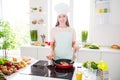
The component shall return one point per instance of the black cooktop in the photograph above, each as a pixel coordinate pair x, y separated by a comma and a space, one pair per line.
41, 68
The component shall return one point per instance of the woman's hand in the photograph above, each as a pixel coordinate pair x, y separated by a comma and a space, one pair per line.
76, 48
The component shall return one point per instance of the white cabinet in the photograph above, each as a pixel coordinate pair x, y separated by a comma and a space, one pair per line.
29, 51
113, 62
37, 52
83, 56
43, 52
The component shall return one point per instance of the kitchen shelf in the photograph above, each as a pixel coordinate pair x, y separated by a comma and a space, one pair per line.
102, 2
102, 14
102, 49
102, 11
37, 13
38, 25
39, 17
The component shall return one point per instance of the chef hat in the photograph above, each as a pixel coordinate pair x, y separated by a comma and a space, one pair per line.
62, 8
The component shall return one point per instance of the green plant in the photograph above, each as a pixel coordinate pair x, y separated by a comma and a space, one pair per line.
2, 76
7, 35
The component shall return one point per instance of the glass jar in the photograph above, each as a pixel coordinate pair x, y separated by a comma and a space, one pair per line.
33, 35
84, 35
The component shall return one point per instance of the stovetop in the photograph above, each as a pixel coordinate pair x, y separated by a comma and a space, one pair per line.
41, 68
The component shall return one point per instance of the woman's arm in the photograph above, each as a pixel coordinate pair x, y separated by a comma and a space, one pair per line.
73, 43
75, 47
52, 45
51, 55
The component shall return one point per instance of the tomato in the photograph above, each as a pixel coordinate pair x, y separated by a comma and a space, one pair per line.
48, 43
17, 66
8, 63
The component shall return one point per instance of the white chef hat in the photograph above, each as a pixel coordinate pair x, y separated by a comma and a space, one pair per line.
61, 8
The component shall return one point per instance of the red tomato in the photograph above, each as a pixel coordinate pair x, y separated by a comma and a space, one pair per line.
48, 43
8, 63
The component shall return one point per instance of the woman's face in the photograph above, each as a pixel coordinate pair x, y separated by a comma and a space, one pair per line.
62, 18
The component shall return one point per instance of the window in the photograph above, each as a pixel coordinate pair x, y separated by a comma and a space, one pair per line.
16, 12
81, 16
0, 9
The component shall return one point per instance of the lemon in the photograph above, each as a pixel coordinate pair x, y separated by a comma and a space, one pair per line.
103, 65
100, 11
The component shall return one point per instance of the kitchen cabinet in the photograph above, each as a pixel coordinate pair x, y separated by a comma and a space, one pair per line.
29, 51
43, 52
37, 52
113, 60
38, 19
85, 55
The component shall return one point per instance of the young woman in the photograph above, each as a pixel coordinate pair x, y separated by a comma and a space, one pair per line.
63, 39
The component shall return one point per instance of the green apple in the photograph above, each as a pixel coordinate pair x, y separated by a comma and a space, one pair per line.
105, 10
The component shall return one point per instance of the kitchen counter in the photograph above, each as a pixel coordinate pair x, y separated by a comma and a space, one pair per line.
30, 48
20, 76
39, 52
111, 56
102, 49
31, 77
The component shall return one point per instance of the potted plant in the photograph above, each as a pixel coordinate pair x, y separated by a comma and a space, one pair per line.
43, 39
7, 37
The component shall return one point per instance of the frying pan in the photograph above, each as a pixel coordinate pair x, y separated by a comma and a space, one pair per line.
59, 65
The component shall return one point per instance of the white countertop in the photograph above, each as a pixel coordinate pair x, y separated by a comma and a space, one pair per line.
102, 49
20, 76
36, 46
31, 77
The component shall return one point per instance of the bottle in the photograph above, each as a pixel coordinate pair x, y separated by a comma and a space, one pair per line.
78, 74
